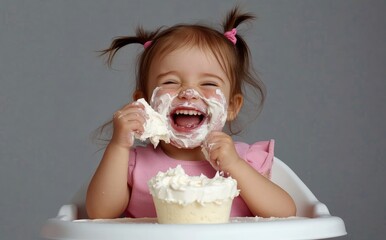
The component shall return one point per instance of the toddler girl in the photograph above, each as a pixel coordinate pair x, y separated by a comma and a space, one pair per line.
193, 76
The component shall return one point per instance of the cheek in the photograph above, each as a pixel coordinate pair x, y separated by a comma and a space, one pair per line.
159, 92
161, 100
217, 95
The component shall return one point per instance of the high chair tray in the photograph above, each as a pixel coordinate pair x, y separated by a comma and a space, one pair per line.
314, 221
65, 226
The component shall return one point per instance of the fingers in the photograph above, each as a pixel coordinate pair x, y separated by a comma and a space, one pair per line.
128, 122
221, 150
132, 108
212, 145
218, 140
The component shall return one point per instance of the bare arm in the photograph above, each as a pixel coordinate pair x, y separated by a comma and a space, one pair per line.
108, 193
263, 197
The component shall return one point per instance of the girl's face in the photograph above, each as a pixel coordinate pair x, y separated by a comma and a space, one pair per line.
195, 86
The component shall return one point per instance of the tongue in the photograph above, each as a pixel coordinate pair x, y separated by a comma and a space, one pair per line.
188, 121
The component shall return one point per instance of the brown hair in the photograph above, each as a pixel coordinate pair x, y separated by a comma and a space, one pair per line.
234, 58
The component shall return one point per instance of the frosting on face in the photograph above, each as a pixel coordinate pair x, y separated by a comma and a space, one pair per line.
189, 122
175, 186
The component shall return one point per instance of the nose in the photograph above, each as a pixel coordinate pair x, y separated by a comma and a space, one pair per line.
188, 94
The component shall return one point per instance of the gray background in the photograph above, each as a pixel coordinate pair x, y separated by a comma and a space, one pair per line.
323, 63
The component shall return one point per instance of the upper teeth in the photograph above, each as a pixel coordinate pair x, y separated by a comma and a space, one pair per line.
188, 112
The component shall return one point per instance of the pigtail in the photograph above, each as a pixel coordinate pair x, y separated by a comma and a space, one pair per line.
141, 37
235, 18
244, 71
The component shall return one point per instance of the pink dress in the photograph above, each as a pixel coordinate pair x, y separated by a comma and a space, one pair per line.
146, 162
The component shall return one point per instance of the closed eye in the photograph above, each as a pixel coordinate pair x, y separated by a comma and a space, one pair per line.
210, 84
169, 82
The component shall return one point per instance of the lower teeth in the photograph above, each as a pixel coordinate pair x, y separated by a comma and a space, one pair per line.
187, 126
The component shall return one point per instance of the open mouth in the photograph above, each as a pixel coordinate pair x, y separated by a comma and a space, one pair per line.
187, 119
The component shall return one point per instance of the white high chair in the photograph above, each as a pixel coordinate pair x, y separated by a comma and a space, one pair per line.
312, 221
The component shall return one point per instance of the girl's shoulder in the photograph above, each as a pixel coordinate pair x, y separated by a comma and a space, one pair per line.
265, 146
259, 155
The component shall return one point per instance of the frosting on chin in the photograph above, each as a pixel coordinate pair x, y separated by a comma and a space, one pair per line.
158, 125
217, 114
175, 186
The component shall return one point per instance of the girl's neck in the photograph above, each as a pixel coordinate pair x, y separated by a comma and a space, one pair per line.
185, 154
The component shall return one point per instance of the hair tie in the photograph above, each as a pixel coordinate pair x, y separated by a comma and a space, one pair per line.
231, 35
147, 44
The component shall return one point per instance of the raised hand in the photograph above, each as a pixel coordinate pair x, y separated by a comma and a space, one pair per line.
221, 151
128, 121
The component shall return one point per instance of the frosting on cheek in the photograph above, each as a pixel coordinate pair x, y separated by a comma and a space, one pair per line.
217, 110
161, 103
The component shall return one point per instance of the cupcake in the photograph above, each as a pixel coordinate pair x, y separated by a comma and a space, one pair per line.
183, 199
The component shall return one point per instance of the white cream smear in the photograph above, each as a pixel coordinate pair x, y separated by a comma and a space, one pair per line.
158, 125
155, 127
175, 186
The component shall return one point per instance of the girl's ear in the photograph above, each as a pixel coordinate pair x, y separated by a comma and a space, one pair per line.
235, 104
138, 94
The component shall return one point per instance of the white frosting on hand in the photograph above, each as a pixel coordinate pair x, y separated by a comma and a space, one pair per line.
175, 186
155, 126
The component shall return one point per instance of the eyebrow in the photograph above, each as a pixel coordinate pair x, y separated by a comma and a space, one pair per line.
213, 76
161, 75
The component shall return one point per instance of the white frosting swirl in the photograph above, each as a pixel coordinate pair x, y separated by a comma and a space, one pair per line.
175, 186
